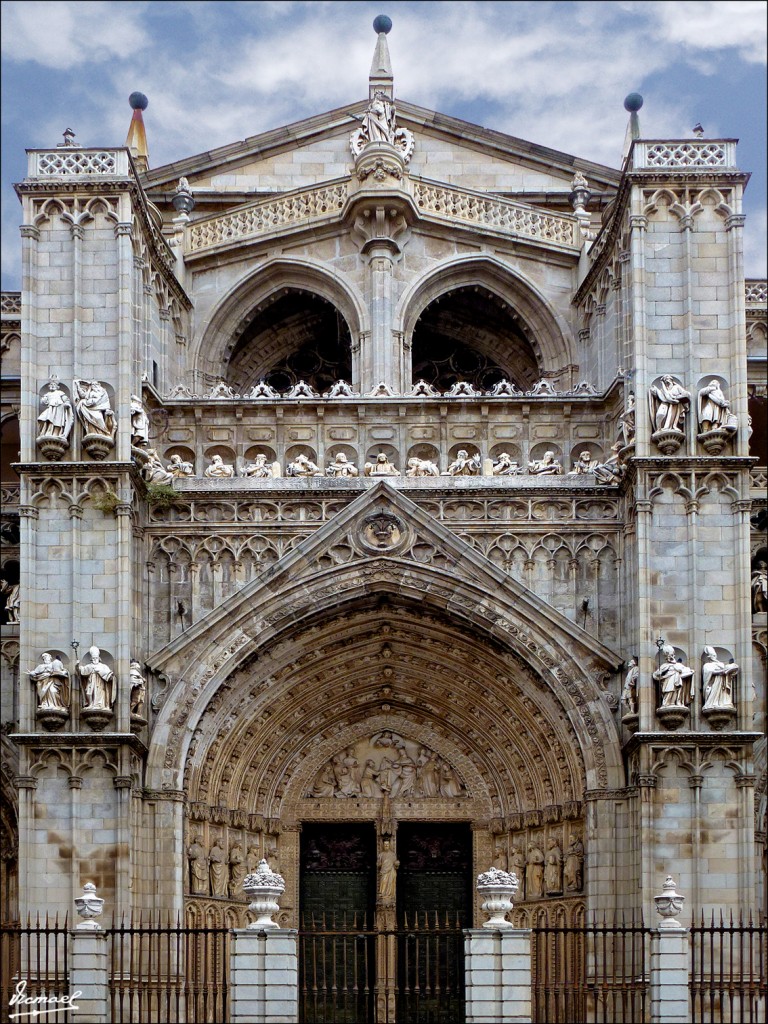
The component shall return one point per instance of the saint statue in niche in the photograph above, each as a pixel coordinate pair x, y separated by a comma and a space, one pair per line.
99, 688
717, 681
51, 680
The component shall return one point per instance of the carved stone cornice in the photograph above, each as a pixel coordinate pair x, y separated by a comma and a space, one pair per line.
175, 796
72, 740
691, 740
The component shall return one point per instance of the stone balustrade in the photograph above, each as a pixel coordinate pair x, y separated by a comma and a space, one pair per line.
75, 160
706, 154
326, 203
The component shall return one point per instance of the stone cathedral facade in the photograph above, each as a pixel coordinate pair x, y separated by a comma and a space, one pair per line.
384, 479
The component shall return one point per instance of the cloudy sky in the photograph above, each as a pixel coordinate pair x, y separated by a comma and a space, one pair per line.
216, 72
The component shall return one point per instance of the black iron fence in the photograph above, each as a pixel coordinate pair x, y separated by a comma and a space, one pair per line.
34, 964
728, 972
167, 974
353, 974
414, 974
590, 973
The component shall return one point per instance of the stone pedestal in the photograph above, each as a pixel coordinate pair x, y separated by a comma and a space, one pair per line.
264, 977
89, 976
498, 975
670, 1002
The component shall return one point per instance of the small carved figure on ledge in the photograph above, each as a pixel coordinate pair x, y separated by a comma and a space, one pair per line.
759, 588
464, 465
198, 866
546, 466
303, 466
553, 872
139, 422
583, 464
219, 470
252, 859
51, 681
12, 601
421, 467
94, 408
178, 468
517, 866
260, 469
612, 470
717, 681
154, 472
56, 417
505, 465
675, 679
574, 865
138, 690
381, 467
629, 693
627, 421
218, 869
341, 467
534, 874
236, 870
99, 690
669, 402
388, 865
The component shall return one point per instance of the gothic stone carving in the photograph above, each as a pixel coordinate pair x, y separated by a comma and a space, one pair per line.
97, 417
54, 422
387, 765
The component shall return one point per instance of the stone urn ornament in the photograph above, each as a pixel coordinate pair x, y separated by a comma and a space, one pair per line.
669, 904
88, 906
497, 888
263, 887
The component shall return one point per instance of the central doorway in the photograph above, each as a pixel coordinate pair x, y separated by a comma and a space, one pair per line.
368, 958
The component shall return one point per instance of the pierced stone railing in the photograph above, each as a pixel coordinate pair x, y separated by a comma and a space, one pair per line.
10, 303
756, 293
685, 153
326, 202
300, 207
493, 212
87, 162
758, 478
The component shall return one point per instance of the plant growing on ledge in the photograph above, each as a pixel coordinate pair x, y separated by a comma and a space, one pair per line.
161, 496
106, 502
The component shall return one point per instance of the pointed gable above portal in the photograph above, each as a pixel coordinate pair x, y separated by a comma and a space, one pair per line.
384, 540
317, 149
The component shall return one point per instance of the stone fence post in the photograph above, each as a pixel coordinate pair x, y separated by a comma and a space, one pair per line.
670, 1000
264, 975
89, 963
497, 958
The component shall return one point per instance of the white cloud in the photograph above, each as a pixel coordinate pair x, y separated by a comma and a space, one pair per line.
65, 35
712, 25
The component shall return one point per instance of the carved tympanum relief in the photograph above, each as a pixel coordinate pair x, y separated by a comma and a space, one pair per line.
387, 764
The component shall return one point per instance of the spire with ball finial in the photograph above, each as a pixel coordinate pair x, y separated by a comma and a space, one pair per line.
137, 137
632, 104
380, 79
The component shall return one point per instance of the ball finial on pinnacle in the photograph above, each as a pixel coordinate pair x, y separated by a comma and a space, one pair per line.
633, 102
381, 23
138, 101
